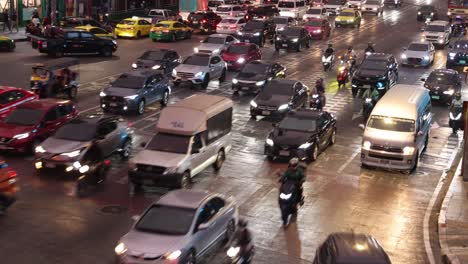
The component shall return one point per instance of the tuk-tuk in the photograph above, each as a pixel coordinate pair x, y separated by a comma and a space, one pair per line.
55, 78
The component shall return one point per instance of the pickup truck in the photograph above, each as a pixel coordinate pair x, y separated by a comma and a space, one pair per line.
73, 42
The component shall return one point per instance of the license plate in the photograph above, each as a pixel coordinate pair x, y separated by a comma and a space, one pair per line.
285, 45
113, 104
384, 161
462, 61
49, 165
247, 41
284, 153
435, 97
266, 113
245, 88
366, 86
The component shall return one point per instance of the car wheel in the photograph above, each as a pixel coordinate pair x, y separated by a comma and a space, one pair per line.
230, 230
253, 116
426, 142
308, 44
191, 258
141, 107
219, 160
314, 154
138, 35
73, 92
106, 52
415, 165
262, 42
223, 76
298, 49
165, 98
277, 48
154, 40
185, 180
205, 82
333, 137
126, 149
4, 46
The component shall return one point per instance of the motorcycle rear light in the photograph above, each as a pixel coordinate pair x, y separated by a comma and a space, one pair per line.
129, 124
107, 162
12, 174
166, 31
203, 21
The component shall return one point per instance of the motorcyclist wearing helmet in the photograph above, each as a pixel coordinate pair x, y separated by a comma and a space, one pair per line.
369, 49
457, 100
371, 93
319, 87
295, 173
350, 53
329, 51
244, 234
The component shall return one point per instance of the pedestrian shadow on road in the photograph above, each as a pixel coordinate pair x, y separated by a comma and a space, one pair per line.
293, 244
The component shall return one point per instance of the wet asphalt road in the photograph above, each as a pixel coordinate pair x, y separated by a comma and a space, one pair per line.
48, 224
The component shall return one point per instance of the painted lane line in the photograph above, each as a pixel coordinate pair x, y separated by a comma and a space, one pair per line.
349, 160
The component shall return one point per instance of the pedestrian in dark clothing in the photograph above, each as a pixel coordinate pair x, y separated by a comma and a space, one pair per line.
14, 21
6, 20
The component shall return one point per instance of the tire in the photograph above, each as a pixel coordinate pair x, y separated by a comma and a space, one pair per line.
332, 138
138, 35
261, 42
191, 258
141, 107
184, 181
205, 82
271, 158
277, 49
80, 189
298, 49
106, 52
416, 161
284, 217
126, 150
315, 152
230, 230
253, 116
426, 142
72, 92
165, 98
454, 130
308, 44
5, 47
223, 76
219, 160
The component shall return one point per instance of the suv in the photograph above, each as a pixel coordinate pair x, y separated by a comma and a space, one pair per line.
204, 21
262, 11
164, 60
378, 70
438, 32
133, 90
257, 31
200, 69
162, 14
458, 54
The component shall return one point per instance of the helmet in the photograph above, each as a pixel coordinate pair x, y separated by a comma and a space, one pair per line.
330, 45
350, 48
369, 44
242, 223
294, 162
458, 95
319, 81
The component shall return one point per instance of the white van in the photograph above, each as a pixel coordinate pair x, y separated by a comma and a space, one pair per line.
230, 11
292, 8
397, 131
438, 32
192, 134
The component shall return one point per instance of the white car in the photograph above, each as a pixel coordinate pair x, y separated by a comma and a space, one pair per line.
418, 54
230, 10
315, 12
215, 43
334, 7
230, 25
282, 22
179, 228
372, 6
356, 3
438, 32
200, 69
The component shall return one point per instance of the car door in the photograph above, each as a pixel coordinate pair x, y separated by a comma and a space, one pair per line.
65, 113
50, 123
221, 217
215, 67
90, 45
149, 90
202, 238
159, 86
73, 43
199, 153
145, 27
99, 32
108, 138
324, 130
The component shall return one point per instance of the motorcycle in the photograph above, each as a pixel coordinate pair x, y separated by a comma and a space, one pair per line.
367, 107
288, 200
8, 187
343, 76
349, 62
239, 253
455, 121
92, 176
317, 101
328, 61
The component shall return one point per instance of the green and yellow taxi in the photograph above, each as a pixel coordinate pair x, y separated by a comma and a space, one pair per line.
97, 31
7, 44
134, 27
348, 17
170, 31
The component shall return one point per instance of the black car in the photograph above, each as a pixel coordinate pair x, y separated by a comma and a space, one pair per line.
257, 31
133, 90
293, 38
393, 3
457, 56
72, 22
204, 21
351, 248
278, 98
378, 70
303, 134
442, 84
427, 12
164, 60
262, 11
74, 42
255, 75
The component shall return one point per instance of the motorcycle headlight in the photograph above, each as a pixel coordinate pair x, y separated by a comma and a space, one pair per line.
253, 104
170, 170
120, 249
21, 136
233, 251
40, 149
280, 29
449, 92
134, 65
403, 56
368, 100
72, 154
366, 145
155, 67
283, 107
196, 50
305, 145
173, 255
257, 34
174, 72
199, 75
102, 94
241, 60
270, 142
452, 55
260, 83
278, 38
239, 33
84, 169
285, 196
131, 97
419, 13
408, 150
432, 13
234, 81
295, 39
315, 96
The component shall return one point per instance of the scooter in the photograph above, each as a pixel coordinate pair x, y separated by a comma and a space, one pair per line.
92, 176
240, 254
288, 200
455, 121
328, 61
367, 106
343, 76
317, 101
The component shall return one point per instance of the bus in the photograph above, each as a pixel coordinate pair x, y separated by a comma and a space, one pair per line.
457, 9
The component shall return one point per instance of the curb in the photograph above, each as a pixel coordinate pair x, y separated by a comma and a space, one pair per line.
447, 256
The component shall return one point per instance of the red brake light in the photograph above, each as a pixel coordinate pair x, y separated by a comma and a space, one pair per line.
132, 28
203, 21
12, 174
232, 26
166, 31
107, 162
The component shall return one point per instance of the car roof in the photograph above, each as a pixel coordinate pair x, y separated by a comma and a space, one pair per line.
420, 42
243, 44
87, 27
358, 248
132, 19
307, 113
218, 35
8, 88
184, 198
93, 118
157, 50
139, 73
228, 5
347, 10
445, 71
44, 104
283, 82
261, 62
438, 22
168, 22
231, 17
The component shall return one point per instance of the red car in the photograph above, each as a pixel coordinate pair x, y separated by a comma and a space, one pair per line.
238, 54
32, 122
318, 28
11, 97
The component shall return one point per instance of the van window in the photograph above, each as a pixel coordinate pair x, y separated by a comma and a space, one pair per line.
286, 4
425, 118
391, 123
219, 125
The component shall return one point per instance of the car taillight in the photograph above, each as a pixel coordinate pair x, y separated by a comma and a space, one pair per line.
218, 26
232, 26
44, 44
12, 174
166, 31
203, 21
131, 28
107, 162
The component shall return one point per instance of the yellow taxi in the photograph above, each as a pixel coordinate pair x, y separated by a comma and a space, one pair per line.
98, 32
170, 31
348, 17
134, 27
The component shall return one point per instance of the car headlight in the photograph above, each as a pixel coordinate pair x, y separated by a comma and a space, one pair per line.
283, 107
350, 20
241, 60
39, 149
269, 142
419, 13
368, 100
173, 255
102, 94
280, 29
295, 39
366, 145
216, 51
239, 33
21, 136
131, 97
120, 249
426, 58
260, 83
432, 13
84, 169
170, 170
234, 81
441, 41
408, 150
284, 196
449, 92
155, 67
305, 145
455, 117
403, 56
375, 8
278, 38
134, 65
199, 75
257, 34
233, 251
72, 154
174, 72
452, 55
196, 50
253, 104
338, 19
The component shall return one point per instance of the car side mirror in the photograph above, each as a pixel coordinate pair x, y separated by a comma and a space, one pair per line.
135, 218
143, 144
204, 226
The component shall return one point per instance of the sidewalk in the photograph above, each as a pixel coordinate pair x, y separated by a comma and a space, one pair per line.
16, 36
453, 222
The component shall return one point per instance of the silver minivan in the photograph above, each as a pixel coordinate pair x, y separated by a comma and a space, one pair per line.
192, 134
397, 131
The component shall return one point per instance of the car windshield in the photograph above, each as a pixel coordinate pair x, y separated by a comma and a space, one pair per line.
238, 49
347, 14
378, 65
223, 9
129, 81
293, 32
439, 78
169, 143
280, 20
24, 117
162, 25
314, 23
156, 13
418, 47
335, 2
256, 68
197, 60
373, 3
229, 21
435, 28
77, 132
314, 11
127, 22
153, 55
282, 4
254, 25
391, 123
297, 123
278, 90
427, 8
214, 40
167, 220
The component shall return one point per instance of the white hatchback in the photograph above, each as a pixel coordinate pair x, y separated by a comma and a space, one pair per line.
230, 25
418, 54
